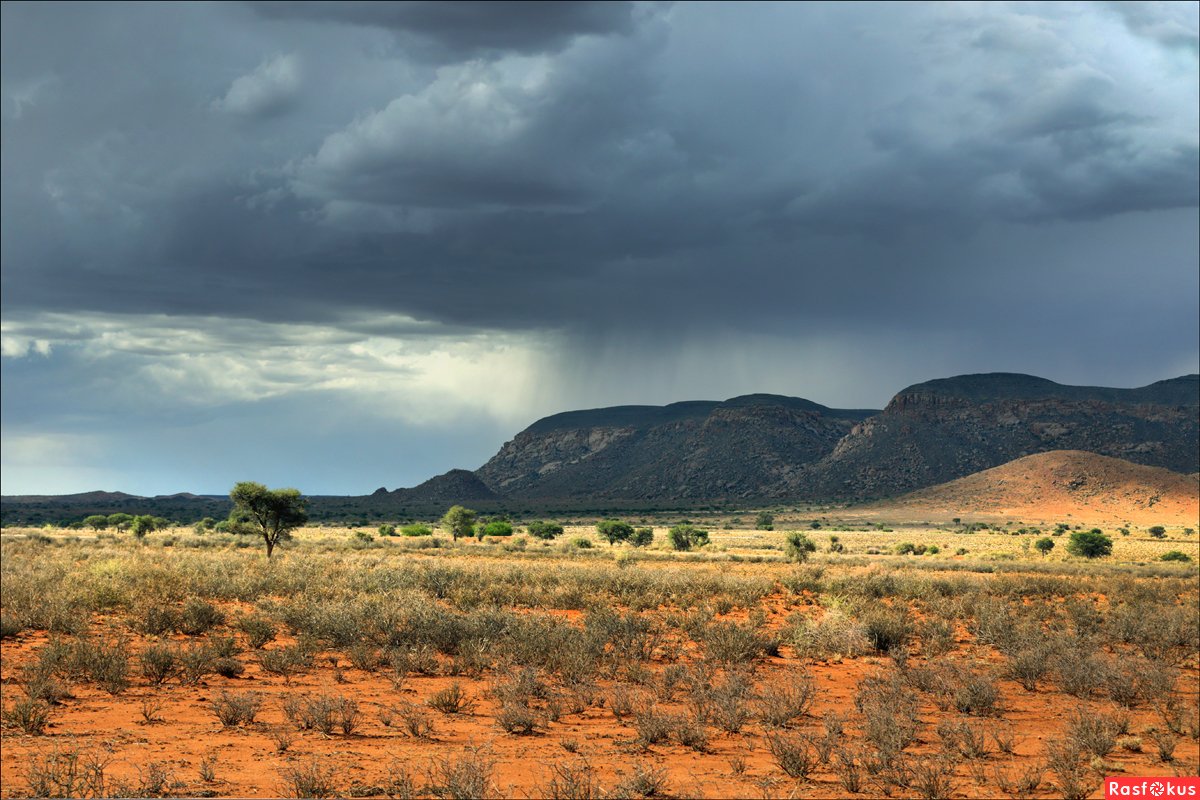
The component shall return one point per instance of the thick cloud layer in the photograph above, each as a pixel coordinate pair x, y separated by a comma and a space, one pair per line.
455, 217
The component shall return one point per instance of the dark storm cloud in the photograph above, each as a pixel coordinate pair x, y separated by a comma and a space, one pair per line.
249, 201
629, 157
469, 29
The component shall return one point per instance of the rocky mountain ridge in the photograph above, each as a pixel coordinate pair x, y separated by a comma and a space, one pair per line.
774, 447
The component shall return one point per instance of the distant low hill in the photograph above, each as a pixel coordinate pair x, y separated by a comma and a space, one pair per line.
1060, 486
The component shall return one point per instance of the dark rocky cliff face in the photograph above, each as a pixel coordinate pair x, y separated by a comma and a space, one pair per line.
737, 449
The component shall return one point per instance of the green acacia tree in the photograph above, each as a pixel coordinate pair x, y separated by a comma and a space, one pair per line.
642, 537
120, 521
1044, 545
1089, 544
96, 522
459, 521
271, 513
143, 524
614, 530
545, 530
686, 536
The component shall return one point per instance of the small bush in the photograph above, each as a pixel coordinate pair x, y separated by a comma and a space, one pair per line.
1092, 733
284, 661
468, 777
309, 779
1175, 555
160, 661
517, 718
452, 700
416, 721
614, 530
798, 547
652, 726
572, 782
416, 530
691, 733
195, 663
199, 617
228, 667
977, 694
158, 620
30, 715
1165, 742
793, 754
780, 703
887, 629
258, 629
386, 530
644, 782
236, 709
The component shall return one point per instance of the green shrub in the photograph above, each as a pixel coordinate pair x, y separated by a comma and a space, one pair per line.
1158, 532
545, 530
1089, 544
614, 530
799, 546
642, 537
416, 529
685, 537
1044, 545
387, 530
497, 527
258, 629
199, 617
764, 521
160, 661
1175, 555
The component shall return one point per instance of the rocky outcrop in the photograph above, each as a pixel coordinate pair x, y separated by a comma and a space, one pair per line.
455, 486
746, 447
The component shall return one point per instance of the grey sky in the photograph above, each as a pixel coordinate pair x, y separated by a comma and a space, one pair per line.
344, 245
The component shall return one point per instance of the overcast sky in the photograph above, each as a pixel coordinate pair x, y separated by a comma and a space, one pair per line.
343, 245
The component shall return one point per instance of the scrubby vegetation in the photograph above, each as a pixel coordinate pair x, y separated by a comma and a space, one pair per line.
856, 674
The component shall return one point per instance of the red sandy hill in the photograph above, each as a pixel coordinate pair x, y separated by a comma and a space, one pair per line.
1065, 483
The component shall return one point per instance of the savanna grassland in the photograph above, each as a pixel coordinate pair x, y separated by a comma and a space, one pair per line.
354, 664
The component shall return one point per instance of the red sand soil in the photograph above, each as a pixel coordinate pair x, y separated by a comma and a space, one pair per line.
248, 765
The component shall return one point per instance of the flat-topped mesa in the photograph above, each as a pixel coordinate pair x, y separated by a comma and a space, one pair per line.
1012, 386
740, 448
